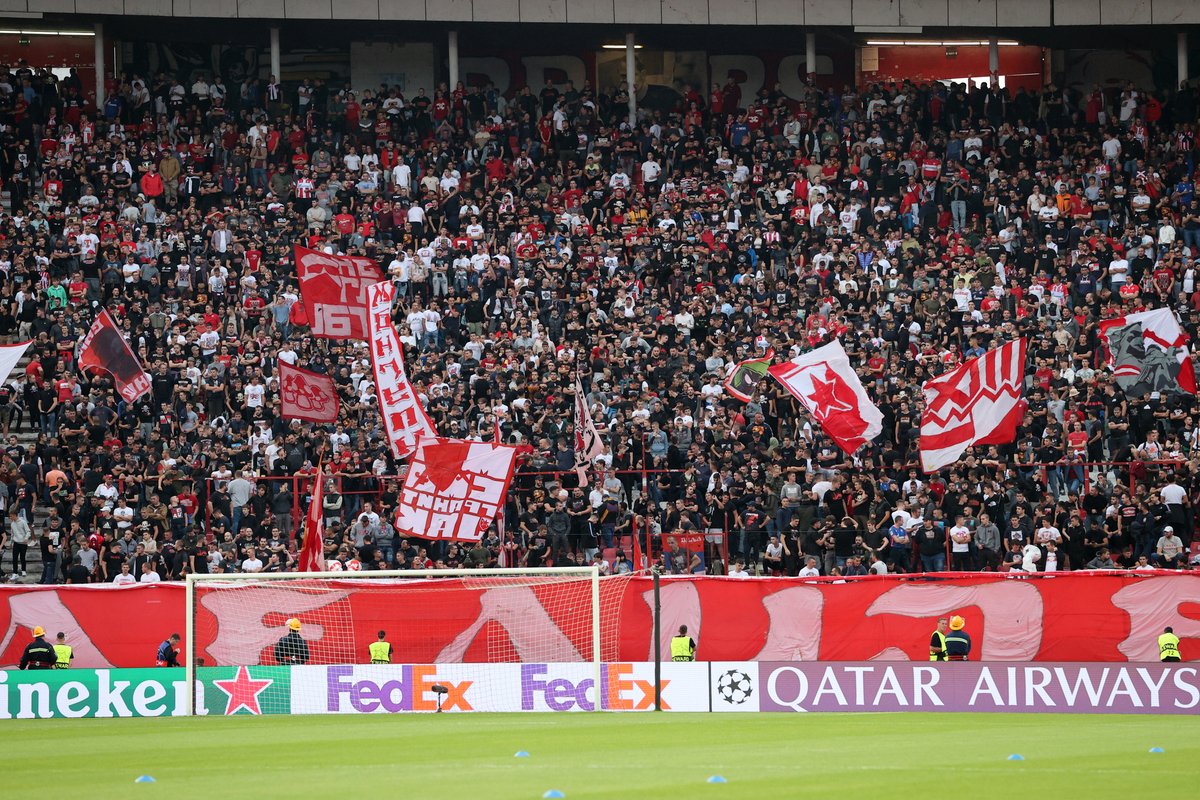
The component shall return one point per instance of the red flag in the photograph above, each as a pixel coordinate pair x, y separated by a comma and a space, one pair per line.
105, 349
588, 445
306, 395
978, 403
404, 417
333, 290
312, 555
454, 489
825, 383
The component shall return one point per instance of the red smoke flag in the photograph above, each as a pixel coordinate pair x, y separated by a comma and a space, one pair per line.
978, 403
825, 384
454, 489
306, 395
312, 555
333, 290
588, 445
105, 349
404, 417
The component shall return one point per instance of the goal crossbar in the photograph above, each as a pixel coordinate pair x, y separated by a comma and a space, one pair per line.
592, 572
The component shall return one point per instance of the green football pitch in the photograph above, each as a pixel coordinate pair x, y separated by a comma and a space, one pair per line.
468, 756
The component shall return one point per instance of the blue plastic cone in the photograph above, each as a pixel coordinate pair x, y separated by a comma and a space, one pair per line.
1157, 750
553, 793
144, 779
717, 779
1016, 757
521, 754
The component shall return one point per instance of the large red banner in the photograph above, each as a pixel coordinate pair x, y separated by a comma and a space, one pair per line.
1069, 617
333, 291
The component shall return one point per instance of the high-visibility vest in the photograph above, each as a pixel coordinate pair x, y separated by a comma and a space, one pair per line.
681, 648
942, 655
1168, 646
63, 651
381, 652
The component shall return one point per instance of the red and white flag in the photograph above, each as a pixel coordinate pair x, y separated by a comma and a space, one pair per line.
825, 383
454, 489
105, 349
306, 395
403, 415
333, 292
978, 403
1132, 362
588, 444
312, 554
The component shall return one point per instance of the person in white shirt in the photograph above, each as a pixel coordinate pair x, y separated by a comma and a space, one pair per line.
737, 571
810, 569
125, 578
251, 562
148, 574
255, 393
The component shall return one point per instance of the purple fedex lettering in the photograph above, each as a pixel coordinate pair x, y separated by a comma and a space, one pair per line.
559, 694
366, 695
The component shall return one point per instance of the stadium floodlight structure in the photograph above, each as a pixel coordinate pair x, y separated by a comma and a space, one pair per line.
541, 615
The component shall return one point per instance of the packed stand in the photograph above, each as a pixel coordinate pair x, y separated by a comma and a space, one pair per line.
534, 236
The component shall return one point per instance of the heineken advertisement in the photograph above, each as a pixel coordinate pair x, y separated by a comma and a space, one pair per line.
68, 693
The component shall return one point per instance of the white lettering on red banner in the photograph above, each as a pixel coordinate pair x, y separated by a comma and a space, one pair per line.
454, 489
403, 416
333, 290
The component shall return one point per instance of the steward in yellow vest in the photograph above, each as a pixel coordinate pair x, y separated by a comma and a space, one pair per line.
1168, 646
682, 646
381, 651
64, 653
937, 642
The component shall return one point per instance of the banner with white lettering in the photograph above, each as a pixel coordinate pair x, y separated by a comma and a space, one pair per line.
454, 489
404, 417
333, 292
1063, 688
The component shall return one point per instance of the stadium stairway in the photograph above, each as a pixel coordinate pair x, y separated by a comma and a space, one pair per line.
27, 438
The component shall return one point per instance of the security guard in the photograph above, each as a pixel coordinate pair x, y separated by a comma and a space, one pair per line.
958, 643
1168, 645
937, 642
381, 651
38, 654
63, 650
682, 646
291, 649
167, 656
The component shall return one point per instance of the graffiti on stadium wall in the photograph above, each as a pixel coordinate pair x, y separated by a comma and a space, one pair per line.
1081, 617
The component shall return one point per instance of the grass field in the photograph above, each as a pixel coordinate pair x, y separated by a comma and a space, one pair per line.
468, 756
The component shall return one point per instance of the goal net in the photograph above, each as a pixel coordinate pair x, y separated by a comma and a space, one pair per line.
464, 640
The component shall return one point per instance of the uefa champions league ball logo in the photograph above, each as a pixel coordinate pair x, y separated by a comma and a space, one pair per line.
735, 687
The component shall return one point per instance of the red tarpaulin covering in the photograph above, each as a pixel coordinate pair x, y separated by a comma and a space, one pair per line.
1067, 617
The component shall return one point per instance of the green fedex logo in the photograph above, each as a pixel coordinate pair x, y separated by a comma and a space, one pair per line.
43, 694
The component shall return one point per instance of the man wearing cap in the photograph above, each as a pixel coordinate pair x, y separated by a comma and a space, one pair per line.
167, 656
291, 649
958, 642
38, 653
1169, 549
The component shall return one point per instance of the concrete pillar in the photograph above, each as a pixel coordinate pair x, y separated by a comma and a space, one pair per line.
1181, 43
1047, 65
630, 76
99, 68
275, 69
810, 57
452, 57
994, 61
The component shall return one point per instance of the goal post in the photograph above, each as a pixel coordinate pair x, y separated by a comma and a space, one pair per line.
457, 619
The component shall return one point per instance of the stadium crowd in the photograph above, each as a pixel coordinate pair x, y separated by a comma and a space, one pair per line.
540, 234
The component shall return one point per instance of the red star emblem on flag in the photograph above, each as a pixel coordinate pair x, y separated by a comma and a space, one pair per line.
825, 396
243, 691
